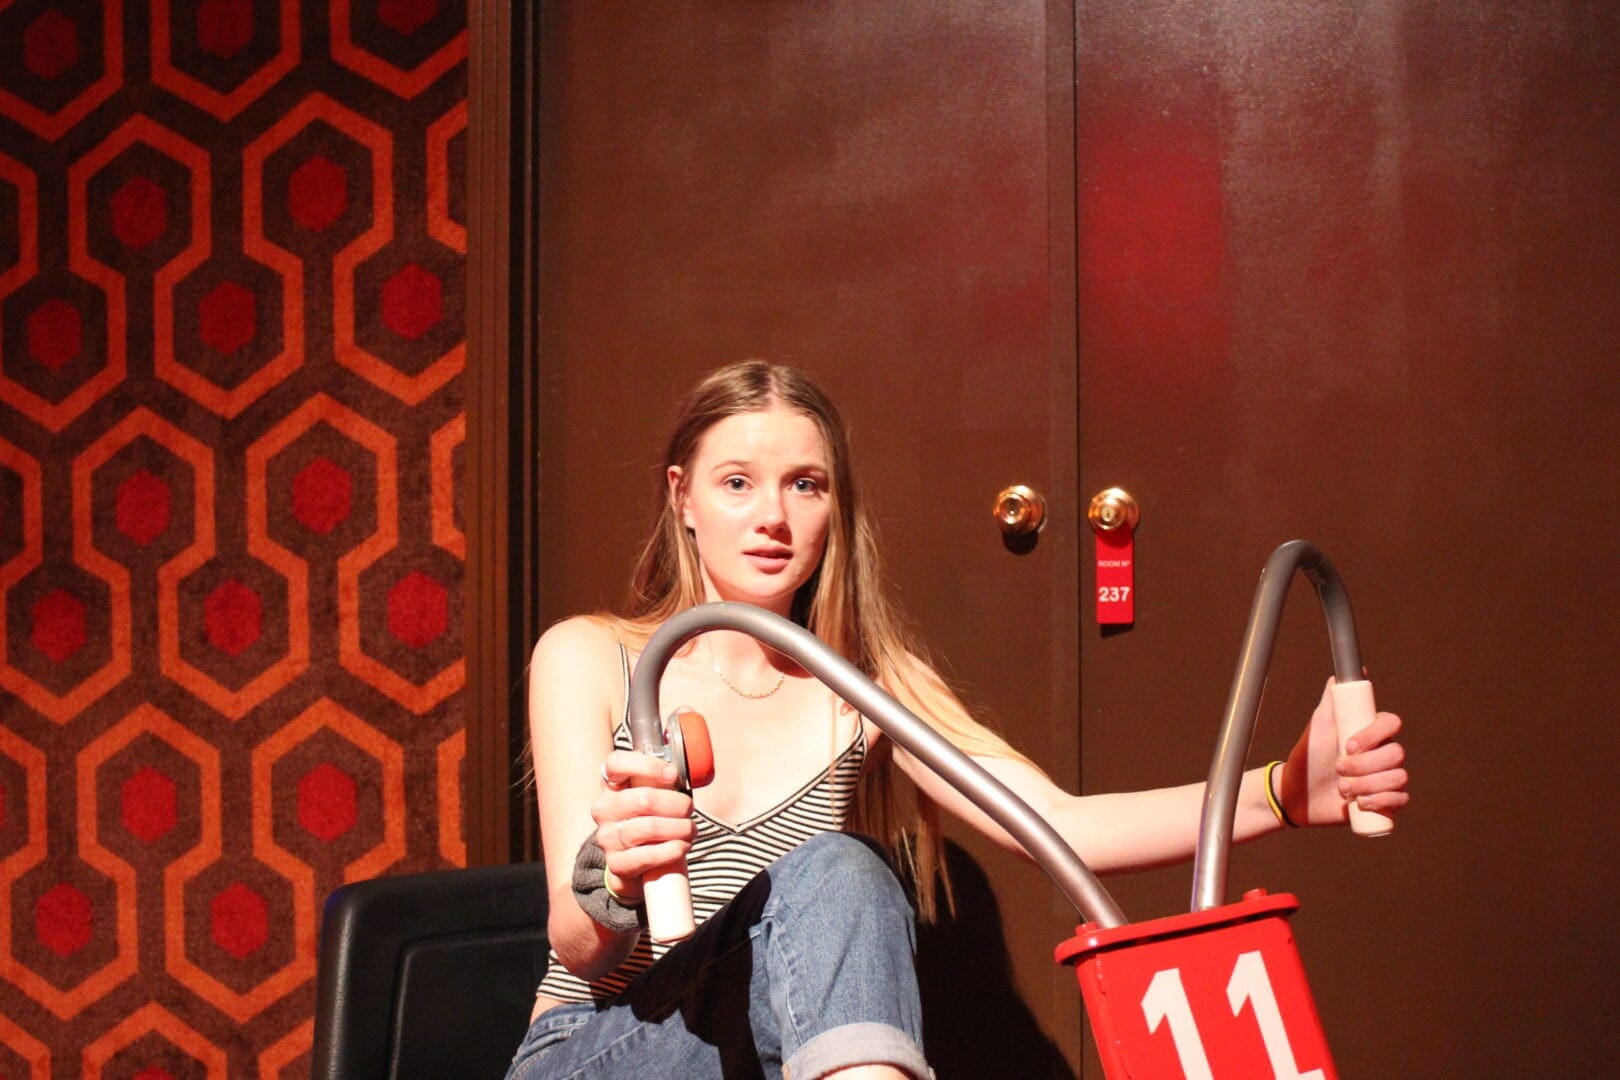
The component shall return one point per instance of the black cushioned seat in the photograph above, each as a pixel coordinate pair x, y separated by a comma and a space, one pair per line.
429, 976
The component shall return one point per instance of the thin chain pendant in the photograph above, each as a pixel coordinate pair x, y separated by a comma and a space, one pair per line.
751, 695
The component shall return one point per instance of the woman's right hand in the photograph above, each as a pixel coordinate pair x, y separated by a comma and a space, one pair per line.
642, 823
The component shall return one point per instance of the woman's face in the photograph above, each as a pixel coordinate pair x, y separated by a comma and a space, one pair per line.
755, 498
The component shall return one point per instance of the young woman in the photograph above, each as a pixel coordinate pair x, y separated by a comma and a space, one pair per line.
802, 964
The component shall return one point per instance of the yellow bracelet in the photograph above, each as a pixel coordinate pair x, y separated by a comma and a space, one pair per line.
621, 901
1274, 802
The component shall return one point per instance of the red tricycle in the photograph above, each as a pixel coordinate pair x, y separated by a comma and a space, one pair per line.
1218, 993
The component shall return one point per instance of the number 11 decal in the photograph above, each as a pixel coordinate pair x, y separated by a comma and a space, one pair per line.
1166, 1000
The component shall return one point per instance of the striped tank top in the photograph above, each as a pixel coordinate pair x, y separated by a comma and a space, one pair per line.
725, 857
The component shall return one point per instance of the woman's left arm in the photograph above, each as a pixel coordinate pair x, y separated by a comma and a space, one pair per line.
1140, 830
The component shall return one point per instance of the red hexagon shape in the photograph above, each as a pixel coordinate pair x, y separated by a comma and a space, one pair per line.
224, 27
227, 317
322, 495
50, 45
412, 301
239, 920
317, 193
140, 212
328, 805
147, 804
58, 628
418, 609
55, 333
233, 617
62, 920
141, 507
406, 16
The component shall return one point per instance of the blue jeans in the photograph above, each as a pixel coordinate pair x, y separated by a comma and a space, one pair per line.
807, 970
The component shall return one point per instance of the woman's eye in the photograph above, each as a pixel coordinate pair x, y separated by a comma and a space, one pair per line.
806, 486
735, 483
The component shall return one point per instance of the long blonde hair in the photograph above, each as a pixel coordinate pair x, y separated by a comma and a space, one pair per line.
844, 603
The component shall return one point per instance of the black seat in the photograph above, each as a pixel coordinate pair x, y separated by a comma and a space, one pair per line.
429, 976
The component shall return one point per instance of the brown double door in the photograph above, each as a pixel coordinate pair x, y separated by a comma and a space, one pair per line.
1343, 275
881, 194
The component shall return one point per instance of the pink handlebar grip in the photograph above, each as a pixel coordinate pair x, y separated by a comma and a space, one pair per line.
1353, 709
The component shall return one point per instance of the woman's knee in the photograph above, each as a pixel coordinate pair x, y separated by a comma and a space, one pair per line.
848, 866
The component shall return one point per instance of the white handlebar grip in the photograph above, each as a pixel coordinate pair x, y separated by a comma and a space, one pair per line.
668, 893
1353, 708
668, 896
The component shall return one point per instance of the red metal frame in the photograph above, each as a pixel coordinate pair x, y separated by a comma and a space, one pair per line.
1209, 995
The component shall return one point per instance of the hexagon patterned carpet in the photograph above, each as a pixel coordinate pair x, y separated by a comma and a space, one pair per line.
232, 236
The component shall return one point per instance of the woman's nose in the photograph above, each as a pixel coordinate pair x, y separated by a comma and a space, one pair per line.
772, 511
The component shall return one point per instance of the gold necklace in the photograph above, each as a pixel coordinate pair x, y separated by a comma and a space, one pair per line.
751, 695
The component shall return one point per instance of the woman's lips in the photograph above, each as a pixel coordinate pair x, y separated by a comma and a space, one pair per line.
769, 561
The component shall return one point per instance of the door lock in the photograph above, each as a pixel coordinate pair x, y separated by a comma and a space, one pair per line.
1113, 508
1019, 510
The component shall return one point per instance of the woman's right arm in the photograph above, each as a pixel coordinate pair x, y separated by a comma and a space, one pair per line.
573, 677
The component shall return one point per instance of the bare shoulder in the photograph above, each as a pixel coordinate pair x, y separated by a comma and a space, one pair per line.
582, 646
577, 635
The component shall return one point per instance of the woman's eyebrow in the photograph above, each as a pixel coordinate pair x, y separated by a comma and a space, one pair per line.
745, 463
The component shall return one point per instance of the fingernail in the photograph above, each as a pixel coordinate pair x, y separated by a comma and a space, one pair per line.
1352, 747
669, 772
1344, 791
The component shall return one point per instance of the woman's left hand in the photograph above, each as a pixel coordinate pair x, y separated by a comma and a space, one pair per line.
1317, 784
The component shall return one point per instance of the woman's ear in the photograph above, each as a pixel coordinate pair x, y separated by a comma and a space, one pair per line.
676, 477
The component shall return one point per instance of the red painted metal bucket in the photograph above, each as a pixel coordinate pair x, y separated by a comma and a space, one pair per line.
1210, 995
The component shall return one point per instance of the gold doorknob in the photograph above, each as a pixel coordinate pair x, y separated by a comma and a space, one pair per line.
1019, 510
1113, 508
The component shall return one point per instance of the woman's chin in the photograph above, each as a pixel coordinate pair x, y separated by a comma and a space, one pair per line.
771, 598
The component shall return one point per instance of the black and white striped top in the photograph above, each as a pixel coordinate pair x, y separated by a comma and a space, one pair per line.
725, 857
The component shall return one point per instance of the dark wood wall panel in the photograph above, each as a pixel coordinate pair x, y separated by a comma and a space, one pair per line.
1348, 272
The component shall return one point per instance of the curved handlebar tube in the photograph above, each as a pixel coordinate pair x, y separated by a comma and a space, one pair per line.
1039, 839
1243, 704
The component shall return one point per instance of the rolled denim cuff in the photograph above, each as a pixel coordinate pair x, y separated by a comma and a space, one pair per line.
856, 1044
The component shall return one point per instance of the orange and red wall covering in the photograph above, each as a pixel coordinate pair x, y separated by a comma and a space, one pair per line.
232, 236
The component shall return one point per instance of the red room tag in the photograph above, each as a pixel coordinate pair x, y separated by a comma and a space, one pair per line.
1116, 578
